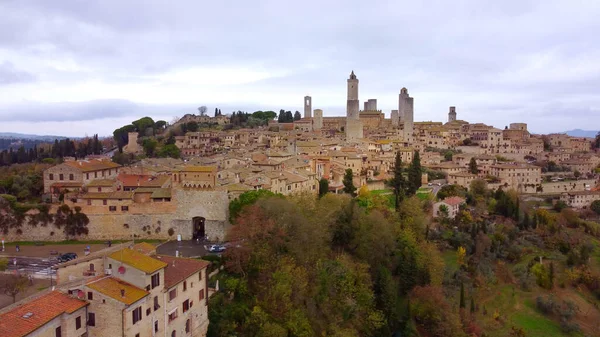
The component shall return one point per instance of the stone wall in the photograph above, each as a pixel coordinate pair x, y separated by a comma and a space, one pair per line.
562, 186
144, 221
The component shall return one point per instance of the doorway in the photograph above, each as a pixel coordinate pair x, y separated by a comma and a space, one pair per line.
199, 227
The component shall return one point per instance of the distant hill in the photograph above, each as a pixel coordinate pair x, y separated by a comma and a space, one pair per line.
581, 133
12, 135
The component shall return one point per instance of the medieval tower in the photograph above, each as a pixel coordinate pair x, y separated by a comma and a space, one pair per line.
395, 118
318, 119
354, 129
307, 107
406, 111
452, 114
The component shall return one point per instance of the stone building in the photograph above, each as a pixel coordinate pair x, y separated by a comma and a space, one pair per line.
406, 112
132, 145
51, 314
580, 199
318, 119
452, 205
395, 118
75, 174
354, 128
452, 114
307, 107
517, 176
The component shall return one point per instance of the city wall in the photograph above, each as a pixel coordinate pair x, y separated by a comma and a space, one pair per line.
143, 220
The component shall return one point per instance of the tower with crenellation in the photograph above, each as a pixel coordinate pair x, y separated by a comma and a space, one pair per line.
354, 128
406, 112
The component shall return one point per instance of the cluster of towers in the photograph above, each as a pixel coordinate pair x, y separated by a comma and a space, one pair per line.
354, 127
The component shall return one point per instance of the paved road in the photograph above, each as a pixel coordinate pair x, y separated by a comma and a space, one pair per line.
186, 248
32, 265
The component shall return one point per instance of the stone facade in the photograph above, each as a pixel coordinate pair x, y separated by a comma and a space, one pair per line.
318, 119
395, 118
307, 107
406, 112
132, 145
452, 114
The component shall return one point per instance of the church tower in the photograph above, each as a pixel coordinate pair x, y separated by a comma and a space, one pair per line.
452, 114
406, 111
354, 129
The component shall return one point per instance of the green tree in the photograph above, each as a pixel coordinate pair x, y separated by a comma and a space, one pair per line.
160, 125
397, 182
192, 126
595, 206
473, 166
472, 309
462, 296
149, 146
323, 187
245, 199
414, 174
3, 263
551, 275
297, 116
349, 183
170, 150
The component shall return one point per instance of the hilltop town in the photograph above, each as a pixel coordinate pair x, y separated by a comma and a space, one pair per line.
178, 182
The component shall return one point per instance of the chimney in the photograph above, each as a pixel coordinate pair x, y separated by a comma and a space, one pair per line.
122, 292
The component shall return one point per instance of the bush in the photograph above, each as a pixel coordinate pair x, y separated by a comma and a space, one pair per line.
569, 327
171, 231
545, 305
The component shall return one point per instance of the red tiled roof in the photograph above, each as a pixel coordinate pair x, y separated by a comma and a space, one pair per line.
40, 311
92, 165
129, 180
178, 269
453, 201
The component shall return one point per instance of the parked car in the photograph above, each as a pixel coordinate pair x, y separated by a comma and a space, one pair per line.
217, 248
67, 257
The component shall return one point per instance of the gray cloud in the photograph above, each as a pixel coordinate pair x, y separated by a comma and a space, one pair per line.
10, 75
498, 63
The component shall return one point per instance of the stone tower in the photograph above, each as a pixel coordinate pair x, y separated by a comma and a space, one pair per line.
354, 128
406, 111
452, 114
395, 118
132, 145
307, 107
318, 119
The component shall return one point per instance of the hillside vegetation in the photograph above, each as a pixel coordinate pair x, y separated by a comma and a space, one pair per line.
344, 266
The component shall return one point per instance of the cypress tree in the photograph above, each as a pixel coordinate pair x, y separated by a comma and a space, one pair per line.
398, 183
348, 183
551, 275
534, 221
472, 305
473, 166
414, 174
526, 221
462, 295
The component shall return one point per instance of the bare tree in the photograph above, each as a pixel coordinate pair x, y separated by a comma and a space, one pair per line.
202, 110
14, 284
175, 120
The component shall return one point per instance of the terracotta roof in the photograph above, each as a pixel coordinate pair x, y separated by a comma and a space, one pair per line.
453, 201
39, 312
108, 195
129, 180
67, 184
179, 269
112, 287
92, 165
138, 260
144, 248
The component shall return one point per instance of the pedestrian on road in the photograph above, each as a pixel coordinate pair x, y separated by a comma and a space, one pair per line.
15, 262
18, 248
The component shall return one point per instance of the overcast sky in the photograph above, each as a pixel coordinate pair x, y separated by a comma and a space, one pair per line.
83, 67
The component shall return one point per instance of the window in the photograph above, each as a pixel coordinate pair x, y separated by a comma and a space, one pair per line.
155, 280
188, 326
95, 174
148, 311
112, 208
172, 294
155, 326
61, 177
173, 315
87, 176
136, 314
51, 176
137, 335
186, 305
124, 208
71, 177
58, 332
184, 285
200, 276
156, 305
89, 202
173, 334
91, 319
201, 296
90, 295
104, 202
78, 323
99, 189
